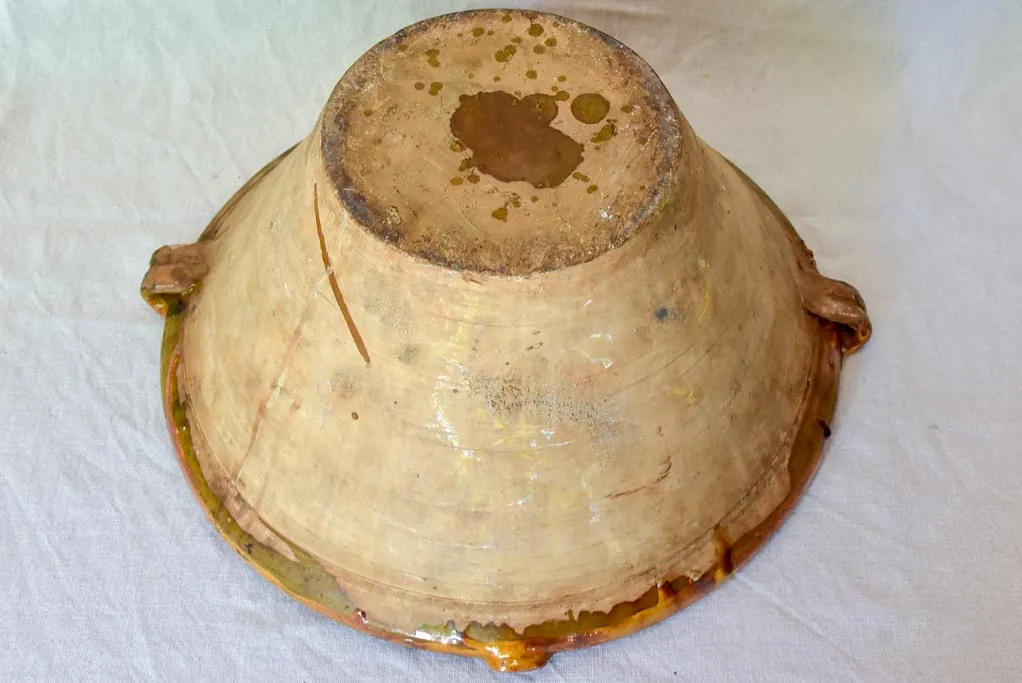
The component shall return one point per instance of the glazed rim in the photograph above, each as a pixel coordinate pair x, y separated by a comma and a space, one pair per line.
500, 646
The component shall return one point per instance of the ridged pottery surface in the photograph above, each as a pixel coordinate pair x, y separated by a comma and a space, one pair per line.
501, 359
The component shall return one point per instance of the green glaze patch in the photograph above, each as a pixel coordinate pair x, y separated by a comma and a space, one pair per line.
304, 577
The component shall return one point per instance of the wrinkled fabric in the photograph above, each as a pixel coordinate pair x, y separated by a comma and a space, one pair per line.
887, 130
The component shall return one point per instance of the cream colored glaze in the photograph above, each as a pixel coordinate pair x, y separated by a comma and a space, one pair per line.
518, 447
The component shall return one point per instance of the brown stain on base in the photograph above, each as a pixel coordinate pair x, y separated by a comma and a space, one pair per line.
590, 107
511, 139
608, 131
355, 336
505, 55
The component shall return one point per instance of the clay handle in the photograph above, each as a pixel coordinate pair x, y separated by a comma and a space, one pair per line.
840, 303
174, 270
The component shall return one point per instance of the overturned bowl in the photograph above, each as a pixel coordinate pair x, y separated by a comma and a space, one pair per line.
501, 359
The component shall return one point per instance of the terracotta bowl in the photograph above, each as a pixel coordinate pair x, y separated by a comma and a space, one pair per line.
501, 359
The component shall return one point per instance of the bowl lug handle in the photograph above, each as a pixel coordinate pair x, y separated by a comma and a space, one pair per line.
174, 271
837, 302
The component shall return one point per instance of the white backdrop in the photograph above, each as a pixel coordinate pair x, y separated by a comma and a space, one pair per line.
890, 131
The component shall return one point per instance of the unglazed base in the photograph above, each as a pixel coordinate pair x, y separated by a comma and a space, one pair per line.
501, 647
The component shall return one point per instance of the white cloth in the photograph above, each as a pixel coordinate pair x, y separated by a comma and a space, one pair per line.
890, 131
